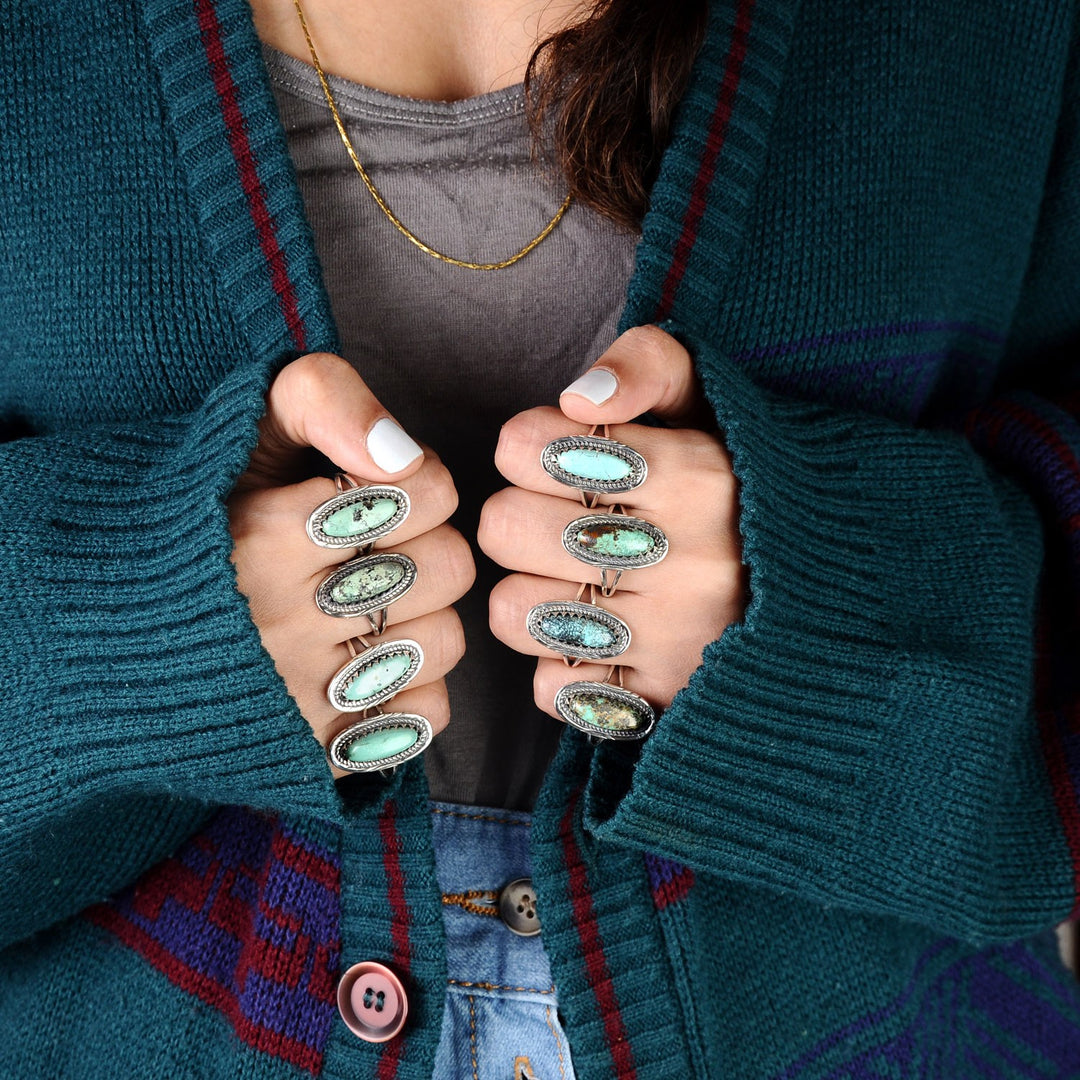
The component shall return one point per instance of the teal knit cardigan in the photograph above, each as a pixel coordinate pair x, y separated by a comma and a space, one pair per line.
839, 852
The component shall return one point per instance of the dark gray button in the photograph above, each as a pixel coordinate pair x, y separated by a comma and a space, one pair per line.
517, 907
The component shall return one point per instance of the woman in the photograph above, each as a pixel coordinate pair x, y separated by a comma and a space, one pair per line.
839, 850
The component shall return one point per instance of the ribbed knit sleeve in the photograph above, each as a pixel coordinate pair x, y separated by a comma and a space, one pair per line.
893, 726
136, 690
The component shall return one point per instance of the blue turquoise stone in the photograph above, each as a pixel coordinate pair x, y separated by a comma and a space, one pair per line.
368, 583
593, 464
360, 517
377, 676
381, 744
577, 630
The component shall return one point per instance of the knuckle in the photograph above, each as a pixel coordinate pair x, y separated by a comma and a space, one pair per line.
451, 637
495, 523
443, 497
455, 560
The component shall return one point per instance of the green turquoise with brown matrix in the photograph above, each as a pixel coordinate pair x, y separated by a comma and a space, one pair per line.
361, 517
615, 540
604, 712
368, 582
378, 745
377, 676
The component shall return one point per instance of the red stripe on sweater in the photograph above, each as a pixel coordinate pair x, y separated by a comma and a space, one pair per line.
592, 950
695, 211
1040, 428
399, 924
210, 30
207, 990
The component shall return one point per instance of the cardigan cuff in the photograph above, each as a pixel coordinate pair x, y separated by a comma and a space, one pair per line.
863, 737
132, 659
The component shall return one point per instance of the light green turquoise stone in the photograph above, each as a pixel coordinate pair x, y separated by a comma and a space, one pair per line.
577, 630
381, 744
604, 712
617, 541
359, 518
368, 582
593, 464
377, 676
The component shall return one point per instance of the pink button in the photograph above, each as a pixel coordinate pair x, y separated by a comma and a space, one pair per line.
372, 1002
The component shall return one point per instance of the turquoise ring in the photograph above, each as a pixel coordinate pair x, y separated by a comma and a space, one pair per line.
357, 517
380, 743
594, 464
581, 631
375, 675
605, 712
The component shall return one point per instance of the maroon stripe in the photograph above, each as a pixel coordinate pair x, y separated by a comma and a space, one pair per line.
210, 29
740, 38
399, 924
1038, 426
592, 950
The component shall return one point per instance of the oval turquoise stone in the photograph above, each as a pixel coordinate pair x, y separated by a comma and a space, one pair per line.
360, 517
377, 676
593, 464
381, 744
577, 630
368, 582
605, 712
615, 540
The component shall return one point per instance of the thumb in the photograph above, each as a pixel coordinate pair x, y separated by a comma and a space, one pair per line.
645, 371
320, 402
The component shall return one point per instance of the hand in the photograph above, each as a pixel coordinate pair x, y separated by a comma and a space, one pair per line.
320, 402
674, 608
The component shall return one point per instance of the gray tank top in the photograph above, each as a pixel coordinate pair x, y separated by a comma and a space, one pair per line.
455, 353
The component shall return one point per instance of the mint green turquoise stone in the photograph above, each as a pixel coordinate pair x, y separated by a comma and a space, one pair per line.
381, 744
604, 712
359, 518
617, 541
593, 464
377, 676
577, 630
368, 583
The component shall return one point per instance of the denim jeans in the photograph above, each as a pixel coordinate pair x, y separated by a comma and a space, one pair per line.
501, 1019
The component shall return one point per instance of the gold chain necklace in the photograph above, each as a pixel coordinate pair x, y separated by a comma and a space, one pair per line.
381, 202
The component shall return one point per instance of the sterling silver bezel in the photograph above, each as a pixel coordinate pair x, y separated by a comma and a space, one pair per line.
639, 469
354, 608
338, 684
339, 744
627, 697
319, 515
576, 608
615, 562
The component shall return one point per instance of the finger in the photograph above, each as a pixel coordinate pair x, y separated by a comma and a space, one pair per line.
645, 371
552, 675
514, 597
522, 530
269, 529
320, 401
444, 573
684, 464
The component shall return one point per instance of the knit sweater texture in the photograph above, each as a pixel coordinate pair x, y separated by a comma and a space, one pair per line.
839, 852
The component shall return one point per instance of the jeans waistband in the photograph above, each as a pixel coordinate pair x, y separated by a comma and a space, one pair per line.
482, 850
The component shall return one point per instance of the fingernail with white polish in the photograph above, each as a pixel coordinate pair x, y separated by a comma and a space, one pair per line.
595, 386
390, 448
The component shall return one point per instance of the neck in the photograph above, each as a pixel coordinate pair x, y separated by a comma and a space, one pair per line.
442, 50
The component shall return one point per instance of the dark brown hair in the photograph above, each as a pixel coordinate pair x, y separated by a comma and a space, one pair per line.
601, 94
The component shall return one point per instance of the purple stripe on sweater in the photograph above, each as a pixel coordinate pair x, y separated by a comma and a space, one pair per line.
1005, 992
867, 333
